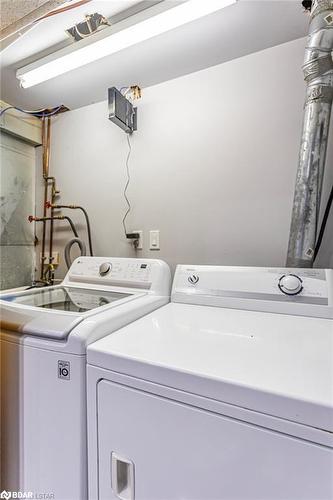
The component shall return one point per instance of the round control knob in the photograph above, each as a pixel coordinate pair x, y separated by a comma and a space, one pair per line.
105, 268
290, 284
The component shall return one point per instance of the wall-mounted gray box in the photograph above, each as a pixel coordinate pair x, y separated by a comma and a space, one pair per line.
121, 111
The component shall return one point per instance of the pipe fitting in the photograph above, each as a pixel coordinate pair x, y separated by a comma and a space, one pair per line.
43, 219
48, 204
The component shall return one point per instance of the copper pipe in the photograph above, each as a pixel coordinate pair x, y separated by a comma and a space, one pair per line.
53, 189
45, 197
46, 136
48, 145
43, 144
46, 169
44, 231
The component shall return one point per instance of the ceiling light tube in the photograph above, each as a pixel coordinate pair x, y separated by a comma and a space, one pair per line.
116, 38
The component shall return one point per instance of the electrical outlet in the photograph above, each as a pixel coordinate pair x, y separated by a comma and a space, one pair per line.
139, 245
56, 258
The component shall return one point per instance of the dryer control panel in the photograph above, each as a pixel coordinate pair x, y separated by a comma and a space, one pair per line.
120, 272
307, 292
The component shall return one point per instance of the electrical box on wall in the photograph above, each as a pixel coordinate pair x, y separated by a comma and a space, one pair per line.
121, 111
55, 258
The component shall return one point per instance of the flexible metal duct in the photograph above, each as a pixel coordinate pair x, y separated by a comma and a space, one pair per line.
318, 73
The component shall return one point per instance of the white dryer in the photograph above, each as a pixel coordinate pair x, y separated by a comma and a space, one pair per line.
44, 336
225, 393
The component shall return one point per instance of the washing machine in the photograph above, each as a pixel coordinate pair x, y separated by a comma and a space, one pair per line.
225, 393
44, 336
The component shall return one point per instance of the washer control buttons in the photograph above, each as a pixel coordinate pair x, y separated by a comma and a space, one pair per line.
105, 268
290, 284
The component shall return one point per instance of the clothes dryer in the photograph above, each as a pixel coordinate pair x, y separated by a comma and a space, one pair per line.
225, 393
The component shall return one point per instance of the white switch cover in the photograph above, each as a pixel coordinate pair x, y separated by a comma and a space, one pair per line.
140, 232
154, 240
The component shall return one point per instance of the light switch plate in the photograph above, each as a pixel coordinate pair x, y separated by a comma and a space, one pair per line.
154, 239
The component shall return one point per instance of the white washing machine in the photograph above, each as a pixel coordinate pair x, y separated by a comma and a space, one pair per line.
225, 393
44, 336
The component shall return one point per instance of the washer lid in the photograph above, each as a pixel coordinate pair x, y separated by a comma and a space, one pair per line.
52, 312
66, 298
47, 324
275, 364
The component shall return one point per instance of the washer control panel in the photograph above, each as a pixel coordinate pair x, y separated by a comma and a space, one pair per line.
118, 272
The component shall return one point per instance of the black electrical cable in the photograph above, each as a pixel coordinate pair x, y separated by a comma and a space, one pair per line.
323, 224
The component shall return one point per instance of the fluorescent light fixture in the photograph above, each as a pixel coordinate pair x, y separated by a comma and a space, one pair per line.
124, 34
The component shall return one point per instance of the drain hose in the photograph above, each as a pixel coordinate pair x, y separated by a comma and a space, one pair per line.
68, 247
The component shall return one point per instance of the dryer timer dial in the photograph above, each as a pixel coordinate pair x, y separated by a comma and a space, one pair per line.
290, 284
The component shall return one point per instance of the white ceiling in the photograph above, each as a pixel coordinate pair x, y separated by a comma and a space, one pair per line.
238, 30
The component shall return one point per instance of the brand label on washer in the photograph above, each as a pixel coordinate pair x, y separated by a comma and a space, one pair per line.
64, 370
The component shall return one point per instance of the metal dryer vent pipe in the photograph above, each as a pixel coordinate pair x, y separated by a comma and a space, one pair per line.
318, 74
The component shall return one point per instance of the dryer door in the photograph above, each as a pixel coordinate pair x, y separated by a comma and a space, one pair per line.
151, 448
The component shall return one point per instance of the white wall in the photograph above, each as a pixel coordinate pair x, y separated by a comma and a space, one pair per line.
213, 163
